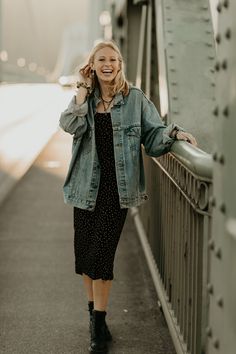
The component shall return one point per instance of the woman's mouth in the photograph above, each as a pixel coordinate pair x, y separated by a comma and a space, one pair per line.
107, 71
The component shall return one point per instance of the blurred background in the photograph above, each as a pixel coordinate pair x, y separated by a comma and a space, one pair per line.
42, 41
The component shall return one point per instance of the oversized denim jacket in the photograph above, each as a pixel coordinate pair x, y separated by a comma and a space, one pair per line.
135, 122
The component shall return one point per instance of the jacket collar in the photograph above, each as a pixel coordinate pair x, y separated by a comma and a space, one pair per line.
119, 99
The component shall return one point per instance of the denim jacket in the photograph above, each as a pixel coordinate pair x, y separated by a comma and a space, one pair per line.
135, 122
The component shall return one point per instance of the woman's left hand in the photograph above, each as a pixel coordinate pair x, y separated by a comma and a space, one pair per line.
186, 137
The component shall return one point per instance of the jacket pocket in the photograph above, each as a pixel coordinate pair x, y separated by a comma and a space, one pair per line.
133, 135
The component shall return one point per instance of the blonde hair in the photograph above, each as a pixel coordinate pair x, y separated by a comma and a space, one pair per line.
119, 84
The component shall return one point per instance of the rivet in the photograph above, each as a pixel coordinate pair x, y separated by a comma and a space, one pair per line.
224, 64
170, 43
217, 66
169, 31
226, 111
210, 288
212, 201
169, 19
218, 38
209, 331
228, 33
204, 7
211, 244
211, 57
219, 7
174, 83
209, 44
171, 56
223, 208
175, 97
215, 156
218, 253
208, 32
220, 301
222, 159
172, 69
213, 84
226, 3
216, 343
216, 111
206, 19
176, 112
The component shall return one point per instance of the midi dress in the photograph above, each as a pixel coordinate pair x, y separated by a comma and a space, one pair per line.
97, 232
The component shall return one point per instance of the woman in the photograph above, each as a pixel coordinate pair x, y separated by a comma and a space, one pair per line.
109, 120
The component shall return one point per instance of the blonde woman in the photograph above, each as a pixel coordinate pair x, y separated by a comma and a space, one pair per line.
109, 120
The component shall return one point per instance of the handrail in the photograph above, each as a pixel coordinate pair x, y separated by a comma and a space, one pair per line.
196, 160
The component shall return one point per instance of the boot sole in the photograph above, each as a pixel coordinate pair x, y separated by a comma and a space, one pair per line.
104, 351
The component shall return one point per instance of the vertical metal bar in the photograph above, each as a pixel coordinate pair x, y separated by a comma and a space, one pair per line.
188, 282
149, 50
193, 278
141, 47
182, 309
178, 250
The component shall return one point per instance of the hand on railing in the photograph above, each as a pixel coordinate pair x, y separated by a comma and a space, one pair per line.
181, 135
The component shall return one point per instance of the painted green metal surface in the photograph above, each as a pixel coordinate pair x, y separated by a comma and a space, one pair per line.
222, 284
189, 51
196, 160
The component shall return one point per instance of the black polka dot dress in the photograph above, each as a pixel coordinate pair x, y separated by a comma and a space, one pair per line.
97, 232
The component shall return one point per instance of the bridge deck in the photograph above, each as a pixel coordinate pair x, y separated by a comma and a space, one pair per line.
43, 308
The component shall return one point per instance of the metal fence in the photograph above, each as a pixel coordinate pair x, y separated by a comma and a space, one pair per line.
174, 228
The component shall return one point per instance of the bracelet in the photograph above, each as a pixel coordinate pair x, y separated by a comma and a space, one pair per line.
84, 85
174, 133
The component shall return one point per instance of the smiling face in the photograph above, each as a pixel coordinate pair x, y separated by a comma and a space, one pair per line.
106, 64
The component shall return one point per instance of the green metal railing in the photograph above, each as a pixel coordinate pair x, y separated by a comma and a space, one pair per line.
174, 228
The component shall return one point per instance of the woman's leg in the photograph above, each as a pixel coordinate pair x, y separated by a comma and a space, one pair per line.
101, 290
97, 291
88, 284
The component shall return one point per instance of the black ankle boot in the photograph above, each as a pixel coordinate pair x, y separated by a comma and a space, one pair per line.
107, 333
98, 342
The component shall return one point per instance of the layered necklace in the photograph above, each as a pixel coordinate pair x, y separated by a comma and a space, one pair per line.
106, 104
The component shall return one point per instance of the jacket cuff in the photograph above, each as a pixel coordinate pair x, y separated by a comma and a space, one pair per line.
167, 139
79, 110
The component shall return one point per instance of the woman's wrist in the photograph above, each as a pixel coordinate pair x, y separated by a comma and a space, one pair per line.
84, 85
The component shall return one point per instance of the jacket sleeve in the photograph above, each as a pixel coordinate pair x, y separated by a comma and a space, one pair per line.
73, 119
155, 136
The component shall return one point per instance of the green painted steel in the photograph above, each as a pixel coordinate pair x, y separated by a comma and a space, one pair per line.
196, 160
189, 51
222, 319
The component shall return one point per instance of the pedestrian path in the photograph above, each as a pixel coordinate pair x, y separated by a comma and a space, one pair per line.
43, 308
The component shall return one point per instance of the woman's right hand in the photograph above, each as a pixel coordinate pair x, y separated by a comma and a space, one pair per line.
86, 74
